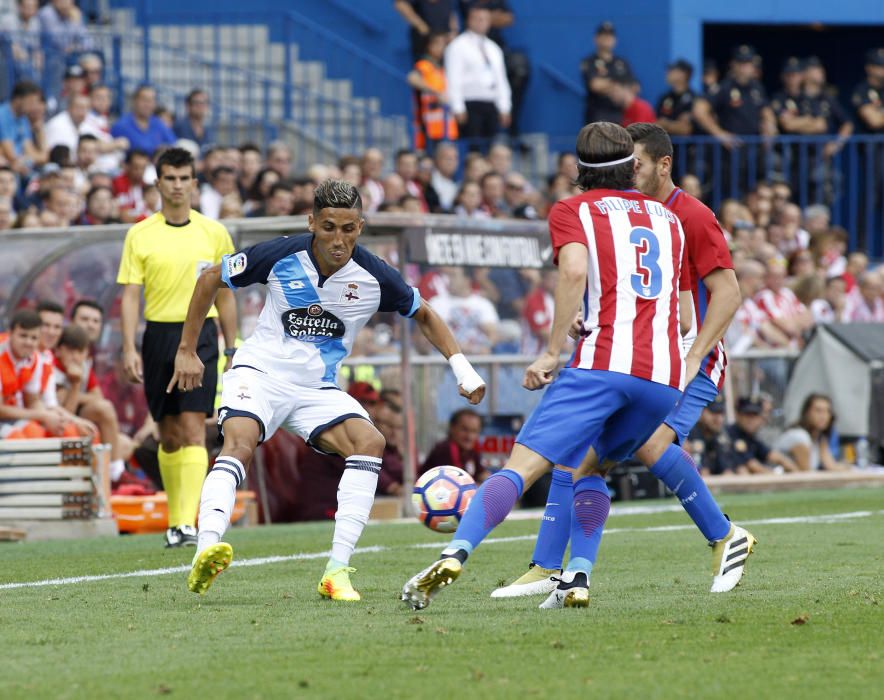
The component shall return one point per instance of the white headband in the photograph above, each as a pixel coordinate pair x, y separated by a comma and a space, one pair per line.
604, 165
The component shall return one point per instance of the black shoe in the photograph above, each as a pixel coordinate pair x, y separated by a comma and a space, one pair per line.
173, 537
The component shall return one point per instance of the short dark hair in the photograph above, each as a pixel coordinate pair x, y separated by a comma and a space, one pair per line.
28, 319
249, 147
133, 152
402, 152
460, 413
25, 88
95, 189
175, 158
51, 306
86, 138
489, 176
600, 142
73, 337
653, 139
89, 304
193, 93
221, 170
336, 194
141, 88
280, 186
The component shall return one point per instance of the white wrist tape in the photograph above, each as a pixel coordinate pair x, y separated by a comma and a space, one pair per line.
467, 378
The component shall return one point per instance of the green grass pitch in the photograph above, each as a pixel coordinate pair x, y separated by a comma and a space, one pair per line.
807, 621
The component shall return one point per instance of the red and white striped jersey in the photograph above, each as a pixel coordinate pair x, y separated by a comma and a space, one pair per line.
707, 251
780, 304
636, 253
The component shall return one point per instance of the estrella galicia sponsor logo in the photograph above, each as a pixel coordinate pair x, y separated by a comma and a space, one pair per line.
312, 324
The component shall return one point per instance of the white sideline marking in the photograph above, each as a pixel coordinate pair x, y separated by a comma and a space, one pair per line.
829, 518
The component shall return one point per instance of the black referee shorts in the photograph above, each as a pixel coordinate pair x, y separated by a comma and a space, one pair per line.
158, 350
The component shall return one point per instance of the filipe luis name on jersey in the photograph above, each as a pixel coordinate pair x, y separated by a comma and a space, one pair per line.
609, 204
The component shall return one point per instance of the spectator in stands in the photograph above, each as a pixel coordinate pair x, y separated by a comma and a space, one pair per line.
500, 158
675, 107
73, 83
351, 170
708, 442
143, 130
222, 182
635, 109
864, 302
73, 373
781, 306
468, 202
517, 196
394, 190
63, 206
406, 168
22, 411
599, 71
751, 327
867, 95
193, 125
807, 441
493, 199
388, 420
785, 230
461, 447
832, 307
23, 28
249, 167
445, 161
64, 128
7, 214
97, 124
372, 173
471, 317
690, 183
93, 70
100, 208
537, 314
739, 106
62, 21
427, 18
746, 454
18, 147
478, 89
433, 120
279, 202
87, 157
83, 395
279, 158
9, 187
128, 187
260, 190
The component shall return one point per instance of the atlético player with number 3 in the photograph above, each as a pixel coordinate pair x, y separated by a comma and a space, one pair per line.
623, 255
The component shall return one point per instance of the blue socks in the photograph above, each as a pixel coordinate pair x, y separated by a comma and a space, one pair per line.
677, 470
591, 506
555, 526
491, 504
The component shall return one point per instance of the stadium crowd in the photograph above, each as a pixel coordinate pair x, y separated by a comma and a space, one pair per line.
67, 160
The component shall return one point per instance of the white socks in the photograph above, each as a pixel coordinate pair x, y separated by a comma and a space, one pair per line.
117, 467
217, 500
355, 498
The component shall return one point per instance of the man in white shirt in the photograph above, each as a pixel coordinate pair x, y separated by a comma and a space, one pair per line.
445, 161
478, 89
64, 128
97, 124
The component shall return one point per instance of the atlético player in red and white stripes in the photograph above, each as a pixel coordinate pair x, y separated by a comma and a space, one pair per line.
623, 254
716, 297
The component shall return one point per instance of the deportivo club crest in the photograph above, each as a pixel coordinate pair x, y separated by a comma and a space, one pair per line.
349, 294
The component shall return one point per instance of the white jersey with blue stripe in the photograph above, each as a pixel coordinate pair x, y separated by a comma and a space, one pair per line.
309, 321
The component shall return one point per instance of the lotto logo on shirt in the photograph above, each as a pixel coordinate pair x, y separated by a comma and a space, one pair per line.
236, 264
312, 324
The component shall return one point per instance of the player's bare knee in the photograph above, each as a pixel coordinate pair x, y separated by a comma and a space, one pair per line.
369, 442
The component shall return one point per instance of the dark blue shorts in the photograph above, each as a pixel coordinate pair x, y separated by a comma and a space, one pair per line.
614, 413
697, 395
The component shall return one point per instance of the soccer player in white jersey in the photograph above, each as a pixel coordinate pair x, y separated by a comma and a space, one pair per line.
322, 289
621, 253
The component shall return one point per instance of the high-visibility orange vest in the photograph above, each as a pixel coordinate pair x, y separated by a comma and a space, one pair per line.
15, 379
433, 120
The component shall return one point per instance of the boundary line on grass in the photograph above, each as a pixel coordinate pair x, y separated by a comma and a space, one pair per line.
826, 519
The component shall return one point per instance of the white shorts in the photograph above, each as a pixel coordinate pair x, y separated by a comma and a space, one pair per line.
304, 411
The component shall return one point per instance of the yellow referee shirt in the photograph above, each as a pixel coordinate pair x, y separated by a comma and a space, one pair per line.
167, 259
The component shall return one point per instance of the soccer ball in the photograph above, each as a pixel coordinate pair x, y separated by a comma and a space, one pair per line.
441, 497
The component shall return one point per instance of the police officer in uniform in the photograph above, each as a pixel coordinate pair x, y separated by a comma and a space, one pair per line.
739, 107
599, 72
747, 454
675, 107
708, 441
867, 101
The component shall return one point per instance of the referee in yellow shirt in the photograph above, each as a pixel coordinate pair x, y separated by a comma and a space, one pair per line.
165, 254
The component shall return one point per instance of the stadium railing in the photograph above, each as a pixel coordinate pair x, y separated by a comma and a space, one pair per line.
82, 262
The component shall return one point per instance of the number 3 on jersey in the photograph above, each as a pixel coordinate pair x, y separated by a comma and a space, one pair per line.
647, 281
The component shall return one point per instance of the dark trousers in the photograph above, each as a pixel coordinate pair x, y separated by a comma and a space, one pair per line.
482, 124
